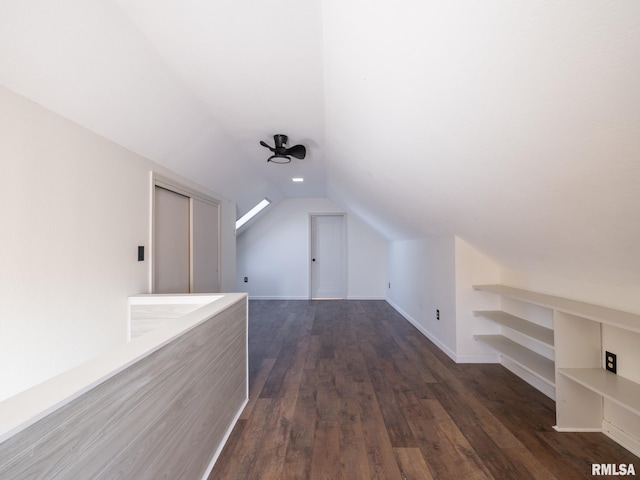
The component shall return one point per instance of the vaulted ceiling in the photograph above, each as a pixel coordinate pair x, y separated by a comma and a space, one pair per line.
515, 125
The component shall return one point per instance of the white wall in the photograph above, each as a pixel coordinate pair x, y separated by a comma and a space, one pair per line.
273, 253
422, 277
367, 262
438, 273
407, 277
473, 268
620, 296
73, 209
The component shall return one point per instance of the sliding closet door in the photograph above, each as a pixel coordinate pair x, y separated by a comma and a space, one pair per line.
204, 275
171, 242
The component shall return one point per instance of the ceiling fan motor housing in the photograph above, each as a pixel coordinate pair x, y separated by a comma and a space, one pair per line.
280, 140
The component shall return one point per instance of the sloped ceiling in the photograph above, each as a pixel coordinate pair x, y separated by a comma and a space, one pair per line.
514, 125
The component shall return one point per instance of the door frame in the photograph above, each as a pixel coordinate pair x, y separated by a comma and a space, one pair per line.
159, 180
345, 269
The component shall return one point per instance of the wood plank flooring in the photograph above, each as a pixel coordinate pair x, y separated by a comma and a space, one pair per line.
351, 390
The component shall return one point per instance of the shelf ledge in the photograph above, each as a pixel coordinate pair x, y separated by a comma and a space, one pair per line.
532, 330
604, 315
532, 362
618, 389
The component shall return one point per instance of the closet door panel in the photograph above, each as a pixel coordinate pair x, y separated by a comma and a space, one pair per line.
204, 275
171, 242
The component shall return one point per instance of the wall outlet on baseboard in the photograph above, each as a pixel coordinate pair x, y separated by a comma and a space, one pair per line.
611, 362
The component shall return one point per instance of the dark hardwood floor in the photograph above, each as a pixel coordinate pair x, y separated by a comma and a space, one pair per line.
351, 390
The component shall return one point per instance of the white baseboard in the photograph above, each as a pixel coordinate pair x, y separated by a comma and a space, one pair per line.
578, 430
284, 297
450, 353
484, 358
224, 439
269, 297
617, 435
531, 379
272, 297
614, 433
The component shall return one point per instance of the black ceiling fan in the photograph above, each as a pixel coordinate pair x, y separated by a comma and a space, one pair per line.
282, 154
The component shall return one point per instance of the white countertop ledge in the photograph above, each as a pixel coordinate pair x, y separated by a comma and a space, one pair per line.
26, 408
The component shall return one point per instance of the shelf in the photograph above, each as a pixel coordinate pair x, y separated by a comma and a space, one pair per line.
537, 332
614, 387
577, 339
607, 316
532, 362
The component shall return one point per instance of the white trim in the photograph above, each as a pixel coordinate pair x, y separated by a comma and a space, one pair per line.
616, 434
486, 358
577, 430
177, 187
285, 297
356, 297
224, 440
450, 353
271, 297
531, 379
482, 358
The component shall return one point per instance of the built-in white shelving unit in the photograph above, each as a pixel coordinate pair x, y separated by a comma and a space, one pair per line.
533, 330
530, 361
518, 340
588, 398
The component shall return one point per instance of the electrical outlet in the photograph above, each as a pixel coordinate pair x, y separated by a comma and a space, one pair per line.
437, 314
611, 362
246, 279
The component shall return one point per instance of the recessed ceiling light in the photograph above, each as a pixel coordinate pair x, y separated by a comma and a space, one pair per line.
298, 179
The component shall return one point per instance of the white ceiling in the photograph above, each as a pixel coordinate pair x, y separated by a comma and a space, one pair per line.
515, 125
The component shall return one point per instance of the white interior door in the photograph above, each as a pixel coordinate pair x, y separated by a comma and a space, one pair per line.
171, 242
204, 247
328, 257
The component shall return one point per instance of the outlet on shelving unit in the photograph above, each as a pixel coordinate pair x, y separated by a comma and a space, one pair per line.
611, 362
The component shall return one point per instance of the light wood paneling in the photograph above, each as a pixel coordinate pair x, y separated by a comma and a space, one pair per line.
162, 417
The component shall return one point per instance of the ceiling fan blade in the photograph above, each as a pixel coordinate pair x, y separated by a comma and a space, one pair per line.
265, 145
298, 151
